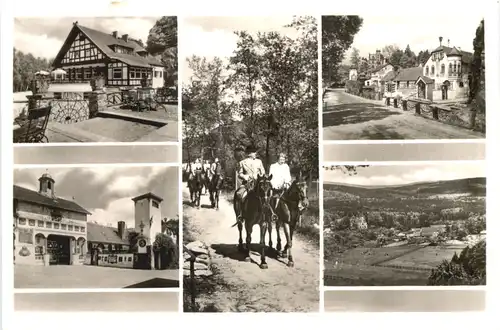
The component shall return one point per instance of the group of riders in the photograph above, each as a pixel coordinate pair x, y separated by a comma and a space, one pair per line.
284, 199
248, 171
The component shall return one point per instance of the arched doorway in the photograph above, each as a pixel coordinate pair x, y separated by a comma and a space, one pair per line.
40, 246
421, 89
59, 249
444, 89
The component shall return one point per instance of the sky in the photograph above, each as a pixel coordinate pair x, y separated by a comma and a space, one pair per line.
404, 174
43, 37
419, 32
106, 192
214, 36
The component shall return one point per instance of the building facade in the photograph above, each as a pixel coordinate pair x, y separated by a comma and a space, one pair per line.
376, 74
129, 247
121, 61
449, 67
48, 230
376, 59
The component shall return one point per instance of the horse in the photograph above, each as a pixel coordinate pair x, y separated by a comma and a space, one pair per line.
214, 184
288, 211
195, 184
255, 210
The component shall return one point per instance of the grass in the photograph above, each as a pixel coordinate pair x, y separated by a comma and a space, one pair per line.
309, 219
373, 256
428, 257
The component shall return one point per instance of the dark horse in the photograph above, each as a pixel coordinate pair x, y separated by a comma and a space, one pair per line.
195, 184
288, 210
214, 184
254, 210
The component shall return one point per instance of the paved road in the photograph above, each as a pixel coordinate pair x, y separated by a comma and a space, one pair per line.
349, 117
84, 277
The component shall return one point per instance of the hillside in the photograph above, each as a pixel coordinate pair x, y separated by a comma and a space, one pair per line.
475, 187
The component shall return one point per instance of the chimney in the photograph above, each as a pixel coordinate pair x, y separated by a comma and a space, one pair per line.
440, 41
122, 229
115, 34
125, 37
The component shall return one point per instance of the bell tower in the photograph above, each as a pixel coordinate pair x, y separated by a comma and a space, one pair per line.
148, 215
47, 186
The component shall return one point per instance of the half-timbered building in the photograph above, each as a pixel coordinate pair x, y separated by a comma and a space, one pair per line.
121, 61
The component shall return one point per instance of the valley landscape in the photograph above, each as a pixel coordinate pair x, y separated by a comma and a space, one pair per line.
426, 233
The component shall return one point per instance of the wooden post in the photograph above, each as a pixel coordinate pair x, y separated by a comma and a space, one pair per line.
193, 287
417, 108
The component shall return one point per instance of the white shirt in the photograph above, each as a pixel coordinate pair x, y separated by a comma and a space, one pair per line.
281, 175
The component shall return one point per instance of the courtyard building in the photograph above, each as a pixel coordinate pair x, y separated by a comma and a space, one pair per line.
48, 230
120, 61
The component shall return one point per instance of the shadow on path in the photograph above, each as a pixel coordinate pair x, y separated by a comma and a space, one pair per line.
231, 251
354, 113
155, 283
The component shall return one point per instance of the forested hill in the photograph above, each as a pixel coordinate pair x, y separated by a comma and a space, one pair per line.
471, 186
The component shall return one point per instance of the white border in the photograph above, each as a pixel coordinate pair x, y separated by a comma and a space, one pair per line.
320, 169
423, 8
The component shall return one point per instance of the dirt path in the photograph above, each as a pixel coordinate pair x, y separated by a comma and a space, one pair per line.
247, 287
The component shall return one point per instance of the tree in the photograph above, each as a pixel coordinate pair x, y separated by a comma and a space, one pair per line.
355, 59
388, 50
162, 41
24, 68
245, 63
346, 169
337, 36
363, 65
422, 57
477, 65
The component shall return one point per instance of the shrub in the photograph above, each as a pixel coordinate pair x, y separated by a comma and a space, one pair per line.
467, 269
354, 87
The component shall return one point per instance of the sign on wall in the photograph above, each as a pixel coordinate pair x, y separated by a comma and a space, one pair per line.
141, 243
25, 235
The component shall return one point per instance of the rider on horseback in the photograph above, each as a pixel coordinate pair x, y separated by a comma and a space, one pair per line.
249, 169
215, 167
282, 179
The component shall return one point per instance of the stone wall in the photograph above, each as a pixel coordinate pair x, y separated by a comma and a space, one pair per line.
71, 107
203, 261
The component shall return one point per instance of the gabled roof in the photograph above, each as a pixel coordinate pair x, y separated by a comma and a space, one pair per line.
466, 56
104, 40
27, 195
425, 79
104, 234
378, 68
389, 76
409, 74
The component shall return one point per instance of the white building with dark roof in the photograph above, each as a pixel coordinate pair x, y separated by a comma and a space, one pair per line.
122, 61
449, 67
48, 230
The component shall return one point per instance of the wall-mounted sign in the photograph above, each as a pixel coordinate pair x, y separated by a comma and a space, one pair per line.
142, 245
26, 235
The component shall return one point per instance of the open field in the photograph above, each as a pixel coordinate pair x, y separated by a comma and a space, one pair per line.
425, 258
